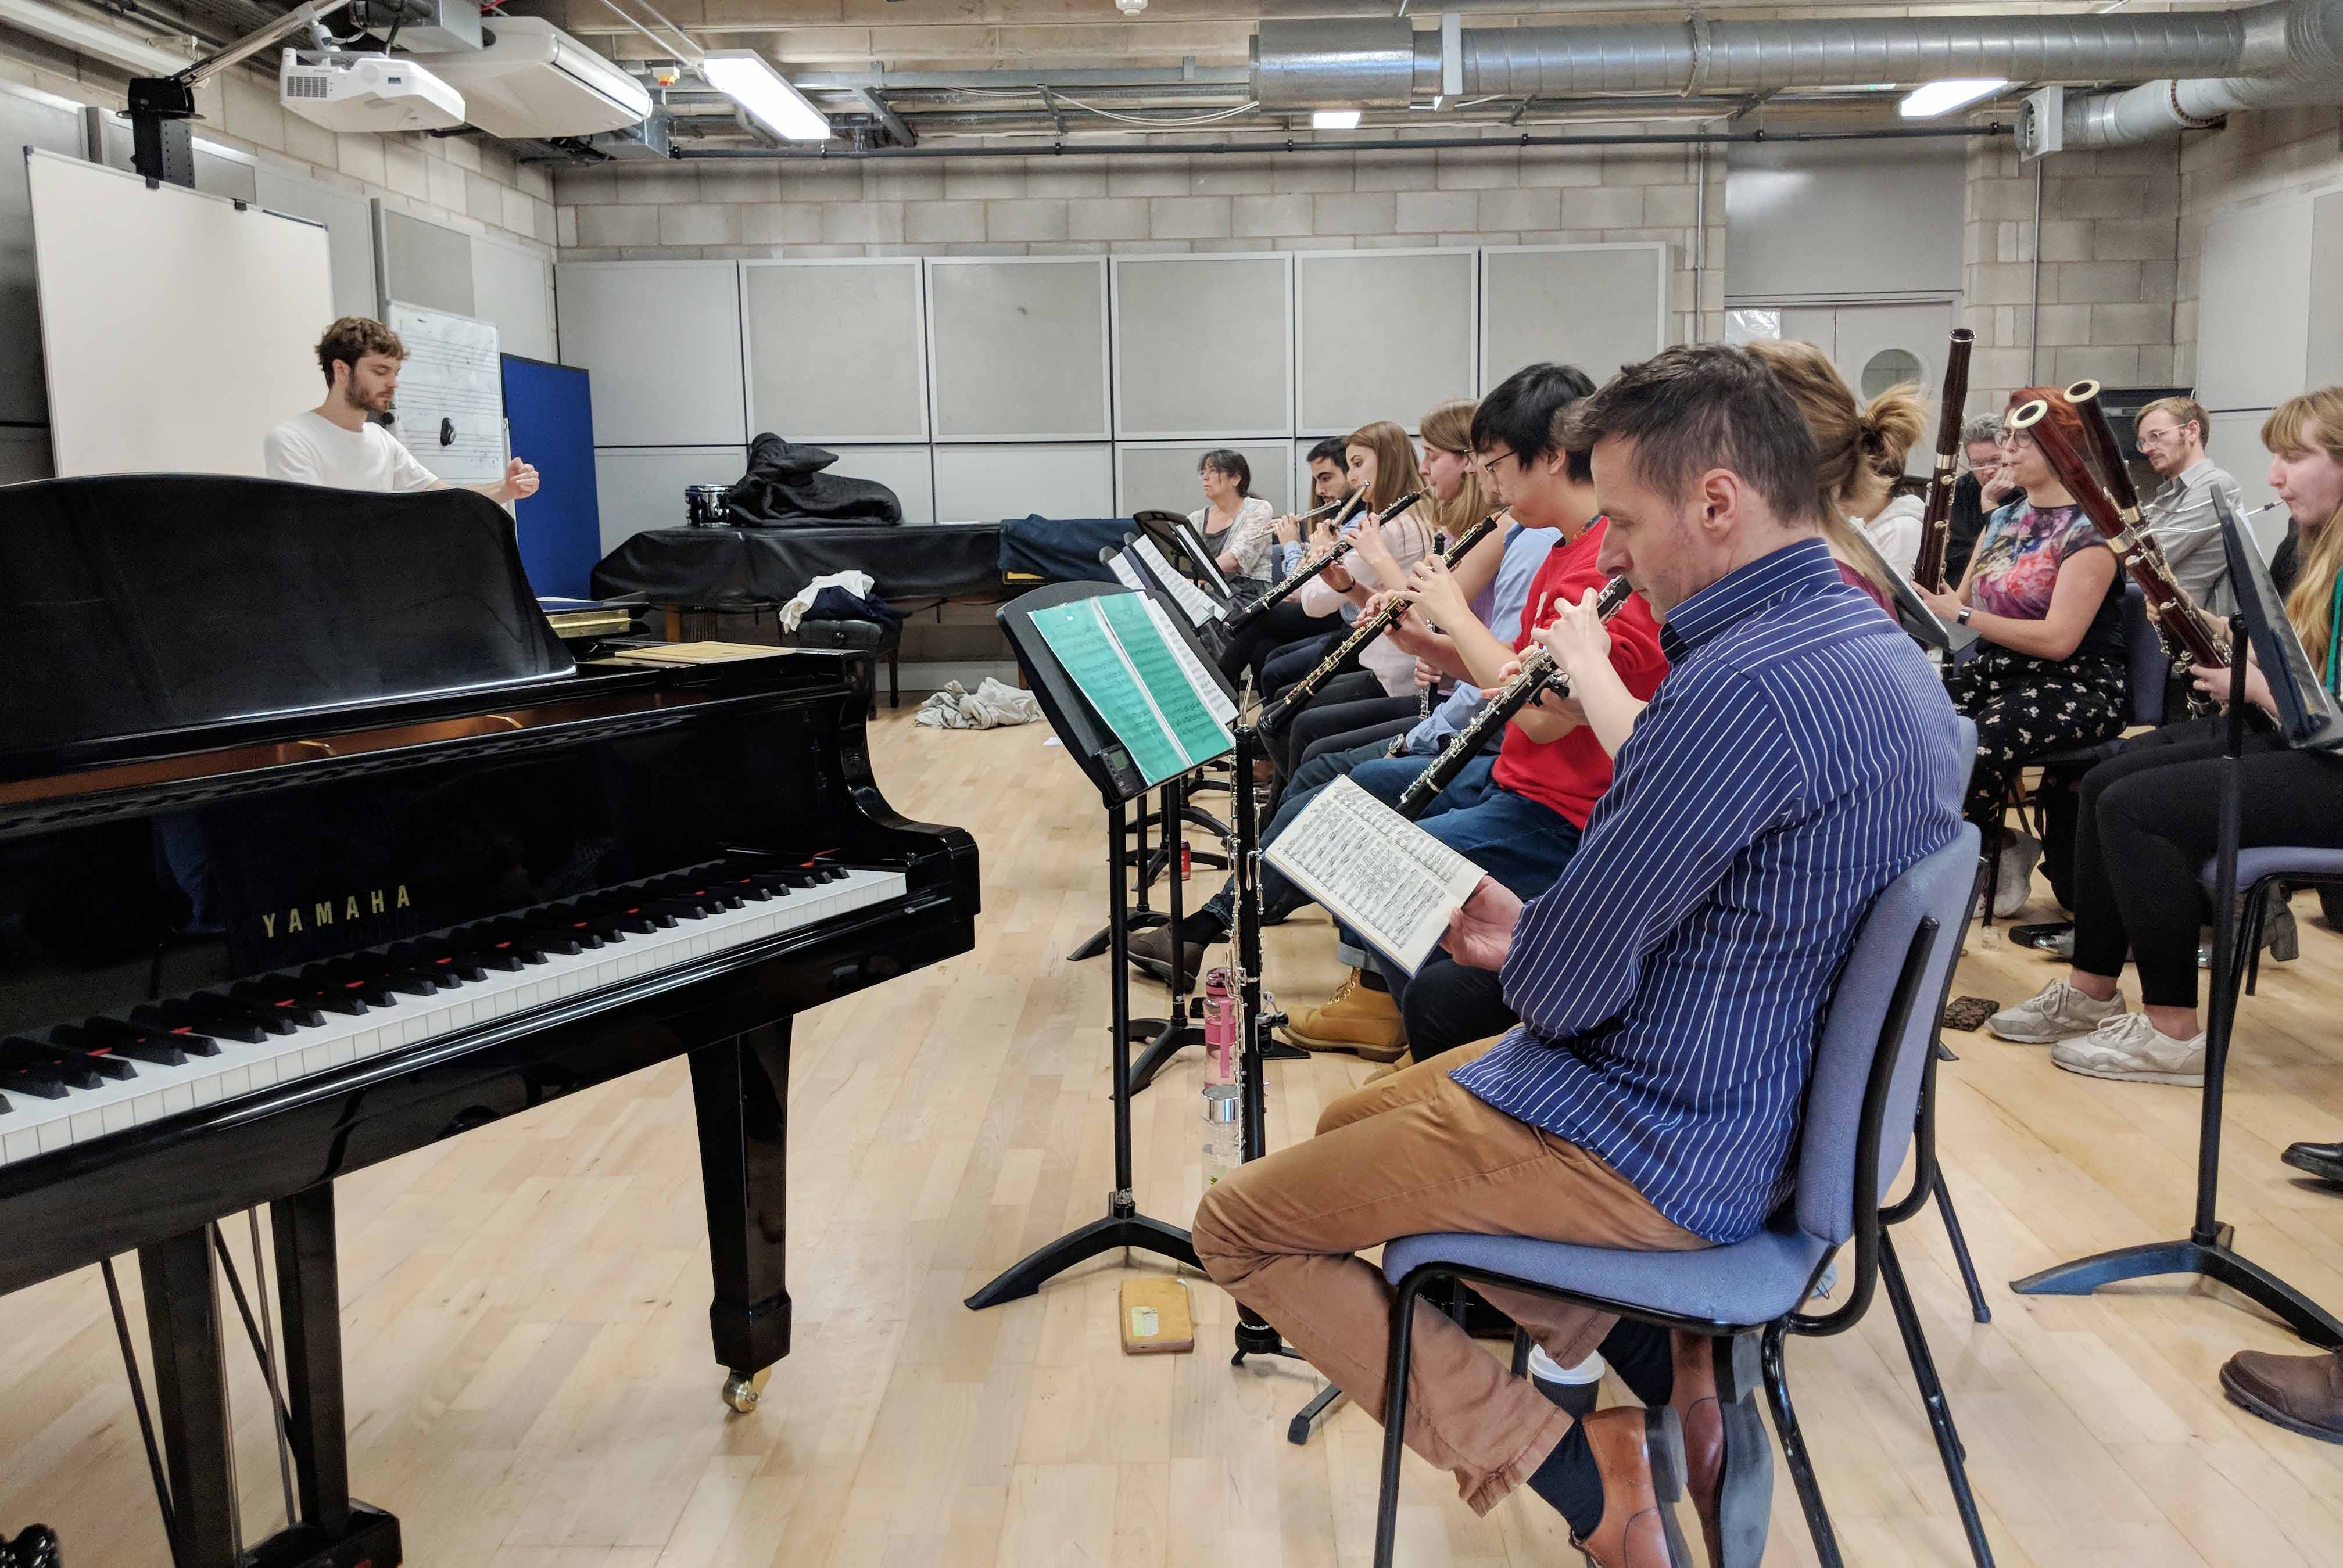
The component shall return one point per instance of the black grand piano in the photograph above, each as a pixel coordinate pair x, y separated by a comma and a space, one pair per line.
316, 846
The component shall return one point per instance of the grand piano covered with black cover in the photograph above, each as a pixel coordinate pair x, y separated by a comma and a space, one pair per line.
316, 847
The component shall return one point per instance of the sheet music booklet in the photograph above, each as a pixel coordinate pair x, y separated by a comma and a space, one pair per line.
1377, 872
1912, 611
1194, 545
1193, 601
1132, 667
2307, 715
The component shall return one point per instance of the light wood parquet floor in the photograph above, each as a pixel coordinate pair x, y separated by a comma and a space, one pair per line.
530, 1384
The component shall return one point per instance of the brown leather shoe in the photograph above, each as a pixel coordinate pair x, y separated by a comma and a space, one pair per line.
2300, 1394
1728, 1463
1641, 1455
1151, 951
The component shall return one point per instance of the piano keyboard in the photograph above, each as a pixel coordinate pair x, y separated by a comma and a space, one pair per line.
108, 1074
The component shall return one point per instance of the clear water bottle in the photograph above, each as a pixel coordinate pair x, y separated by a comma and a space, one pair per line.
1223, 1131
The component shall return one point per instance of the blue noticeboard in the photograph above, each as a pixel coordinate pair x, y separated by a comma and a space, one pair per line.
551, 416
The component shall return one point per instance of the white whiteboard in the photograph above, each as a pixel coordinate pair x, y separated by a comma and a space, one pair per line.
240, 295
349, 233
1167, 310
1018, 347
1598, 307
1381, 335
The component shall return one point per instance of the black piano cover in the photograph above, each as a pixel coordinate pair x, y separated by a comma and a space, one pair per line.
140, 603
705, 568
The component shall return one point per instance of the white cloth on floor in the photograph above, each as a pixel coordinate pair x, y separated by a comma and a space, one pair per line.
856, 583
991, 703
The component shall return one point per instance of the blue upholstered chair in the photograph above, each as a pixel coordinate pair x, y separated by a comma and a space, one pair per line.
1865, 1097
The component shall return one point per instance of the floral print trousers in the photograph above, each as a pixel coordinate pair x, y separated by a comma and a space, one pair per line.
2023, 707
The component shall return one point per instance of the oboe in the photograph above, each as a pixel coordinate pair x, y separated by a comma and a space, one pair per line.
1424, 693
2174, 612
1537, 677
1937, 524
1305, 570
1368, 629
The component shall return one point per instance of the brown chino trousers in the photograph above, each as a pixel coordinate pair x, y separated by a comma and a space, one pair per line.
1413, 1153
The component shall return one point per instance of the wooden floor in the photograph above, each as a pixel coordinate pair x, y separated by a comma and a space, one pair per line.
530, 1384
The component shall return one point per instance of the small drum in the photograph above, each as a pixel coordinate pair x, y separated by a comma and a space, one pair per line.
703, 504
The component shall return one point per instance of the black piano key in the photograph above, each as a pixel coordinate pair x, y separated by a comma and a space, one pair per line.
82, 1053
133, 1044
282, 1000
195, 1024
138, 1030
679, 910
32, 1082
69, 1069
3, 1105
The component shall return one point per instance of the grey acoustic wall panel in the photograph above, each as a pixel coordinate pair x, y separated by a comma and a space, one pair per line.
641, 487
837, 349
1381, 335
983, 483
662, 339
1202, 346
1017, 348
1841, 220
28, 119
1598, 307
2253, 313
2323, 356
906, 470
1163, 475
349, 234
512, 287
422, 263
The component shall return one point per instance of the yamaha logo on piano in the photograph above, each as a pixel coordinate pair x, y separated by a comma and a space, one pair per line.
348, 910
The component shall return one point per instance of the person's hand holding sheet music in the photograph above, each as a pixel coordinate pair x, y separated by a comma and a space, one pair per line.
1480, 933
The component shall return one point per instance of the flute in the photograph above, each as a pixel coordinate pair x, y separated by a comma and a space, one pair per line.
1424, 693
2174, 611
1937, 523
1537, 676
1305, 570
1369, 629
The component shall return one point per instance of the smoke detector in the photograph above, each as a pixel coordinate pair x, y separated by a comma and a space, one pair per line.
1131, 7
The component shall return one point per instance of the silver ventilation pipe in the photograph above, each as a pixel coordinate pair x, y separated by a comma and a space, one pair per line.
2285, 52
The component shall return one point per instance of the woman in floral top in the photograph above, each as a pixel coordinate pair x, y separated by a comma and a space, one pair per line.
1235, 524
2045, 598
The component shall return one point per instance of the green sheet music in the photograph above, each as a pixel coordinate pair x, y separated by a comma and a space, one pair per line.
1115, 653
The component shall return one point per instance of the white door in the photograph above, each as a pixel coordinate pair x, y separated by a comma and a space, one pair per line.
1881, 347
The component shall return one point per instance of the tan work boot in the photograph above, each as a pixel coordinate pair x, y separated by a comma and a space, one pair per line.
1354, 1019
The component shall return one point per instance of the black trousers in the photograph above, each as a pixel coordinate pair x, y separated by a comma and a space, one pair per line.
1353, 686
2149, 819
1377, 736
1334, 719
1288, 662
1447, 1004
1272, 628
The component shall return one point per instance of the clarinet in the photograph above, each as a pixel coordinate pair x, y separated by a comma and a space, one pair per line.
1936, 525
1304, 571
1537, 677
1398, 746
2175, 613
1368, 629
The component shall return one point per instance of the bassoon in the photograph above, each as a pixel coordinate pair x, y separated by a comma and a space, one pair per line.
2175, 614
1368, 629
1536, 676
1937, 523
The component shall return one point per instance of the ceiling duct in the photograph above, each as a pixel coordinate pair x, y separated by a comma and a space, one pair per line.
2198, 64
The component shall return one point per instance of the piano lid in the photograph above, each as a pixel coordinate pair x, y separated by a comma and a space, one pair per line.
139, 603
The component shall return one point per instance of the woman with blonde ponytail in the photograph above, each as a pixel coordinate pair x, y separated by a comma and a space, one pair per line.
2149, 816
1862, 452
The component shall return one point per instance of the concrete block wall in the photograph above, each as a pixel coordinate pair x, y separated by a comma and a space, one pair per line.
2278, 154
2108, 244
1241, 200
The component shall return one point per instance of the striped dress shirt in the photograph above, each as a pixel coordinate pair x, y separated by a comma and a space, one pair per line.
1800, 755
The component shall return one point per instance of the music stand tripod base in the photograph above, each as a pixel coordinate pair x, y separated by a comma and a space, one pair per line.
1123, 1227
2212, 1258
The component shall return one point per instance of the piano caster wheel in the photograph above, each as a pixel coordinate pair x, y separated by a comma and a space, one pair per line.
743, 1393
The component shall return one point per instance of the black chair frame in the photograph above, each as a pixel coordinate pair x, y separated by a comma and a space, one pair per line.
1747, 1353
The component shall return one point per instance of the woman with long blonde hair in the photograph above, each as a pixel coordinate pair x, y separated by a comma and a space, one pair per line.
2149, 816
1862, 451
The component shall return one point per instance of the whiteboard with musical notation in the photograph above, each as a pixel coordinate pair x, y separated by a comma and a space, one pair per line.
452, 401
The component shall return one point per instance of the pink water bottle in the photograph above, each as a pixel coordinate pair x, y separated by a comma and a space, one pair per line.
1223, 1115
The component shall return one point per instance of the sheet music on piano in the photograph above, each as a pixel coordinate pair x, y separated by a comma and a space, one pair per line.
1191, 599
1377, 872
451, 400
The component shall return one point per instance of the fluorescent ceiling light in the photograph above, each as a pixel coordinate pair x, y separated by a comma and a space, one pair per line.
1927, 102
748, 79
1335, 119
84, 37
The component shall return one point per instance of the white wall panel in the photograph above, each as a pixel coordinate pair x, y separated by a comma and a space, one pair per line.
513, 288
1204, 347
1018, 347
837, 349
983, 483
2253, 315
349, 234
1381, 335
2235, 442
662, 340
1161, 474
1598, 307
906, 470
642, 487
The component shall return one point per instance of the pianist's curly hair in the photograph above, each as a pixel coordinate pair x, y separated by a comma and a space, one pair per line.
351, 339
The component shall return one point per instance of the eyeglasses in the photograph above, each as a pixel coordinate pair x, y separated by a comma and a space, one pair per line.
2150, 440
1486, 462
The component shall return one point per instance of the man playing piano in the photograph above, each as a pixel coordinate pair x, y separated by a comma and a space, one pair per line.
338, 445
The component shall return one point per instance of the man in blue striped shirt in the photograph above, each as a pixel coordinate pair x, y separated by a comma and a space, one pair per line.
1797, 758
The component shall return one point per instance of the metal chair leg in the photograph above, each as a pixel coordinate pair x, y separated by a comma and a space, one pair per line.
1931, 1398
1794, 1453
1977, 1308
1521, 1352
1402, 1339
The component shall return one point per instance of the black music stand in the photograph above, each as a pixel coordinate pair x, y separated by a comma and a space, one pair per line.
1180, 546
1101, 755
2209, 1250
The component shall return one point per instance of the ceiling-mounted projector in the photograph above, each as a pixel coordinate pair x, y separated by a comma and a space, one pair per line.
534, 80
366, 92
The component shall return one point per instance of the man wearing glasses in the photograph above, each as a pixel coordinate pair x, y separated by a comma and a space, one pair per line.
2171, 432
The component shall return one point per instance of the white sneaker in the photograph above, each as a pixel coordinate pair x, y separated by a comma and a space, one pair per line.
2128, 1048
2057, 1012
2014, 883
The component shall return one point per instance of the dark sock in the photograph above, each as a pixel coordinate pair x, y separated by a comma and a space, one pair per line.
1639, 1353
1371, 978
1569, 1481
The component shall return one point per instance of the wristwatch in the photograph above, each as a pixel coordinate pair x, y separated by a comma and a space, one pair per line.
1963, 618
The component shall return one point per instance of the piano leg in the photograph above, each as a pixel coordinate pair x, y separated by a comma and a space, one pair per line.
183, 1332
742, 1090
308, 1294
